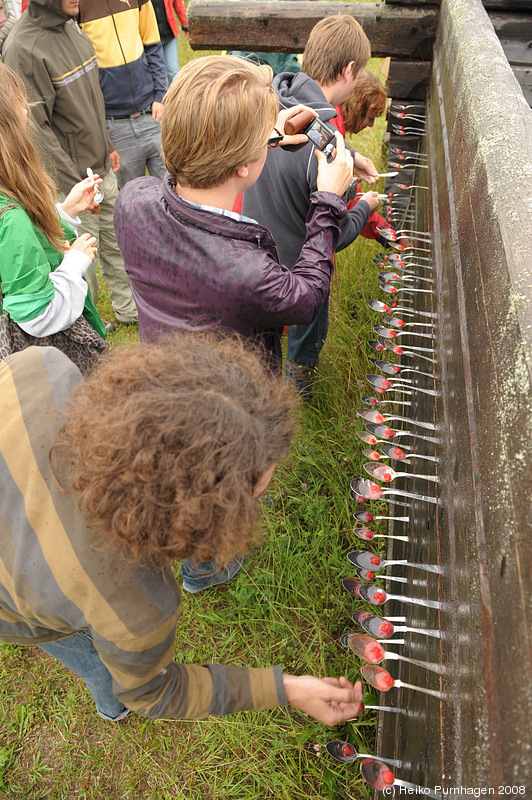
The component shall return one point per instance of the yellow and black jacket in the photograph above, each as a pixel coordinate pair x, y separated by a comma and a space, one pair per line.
125, 36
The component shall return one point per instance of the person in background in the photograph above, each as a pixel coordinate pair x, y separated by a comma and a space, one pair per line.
336, 51
366, 102
193, 263
42, 263
169, 31
133, 80
9, 13
187, 438
58, 66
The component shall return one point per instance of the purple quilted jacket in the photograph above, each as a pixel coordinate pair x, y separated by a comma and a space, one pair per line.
194, 269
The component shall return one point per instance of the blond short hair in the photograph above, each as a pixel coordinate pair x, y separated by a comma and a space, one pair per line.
219, 112
333, 43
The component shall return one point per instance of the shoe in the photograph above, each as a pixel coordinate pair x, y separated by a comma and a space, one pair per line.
302, 377
205, 574
126, 321
109, 327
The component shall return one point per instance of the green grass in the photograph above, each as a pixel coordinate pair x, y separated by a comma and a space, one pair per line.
286, 607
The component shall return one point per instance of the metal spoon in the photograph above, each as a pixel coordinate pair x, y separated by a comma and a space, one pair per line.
368, 536
398, 454
372, 401
394, 369
387, 433
369, 490
391, 289
359, 498
377, 596
411, 351
382, 384
383, 628
370, 438
381, 679
372, 415
383, 472
368, 649
367, 516
368, 560
346, 754
380, 777
352, 586
98, 194
389, 277
369, 576
390, 333
381, 307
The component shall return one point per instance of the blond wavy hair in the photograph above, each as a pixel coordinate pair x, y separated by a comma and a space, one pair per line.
333, 43
219, 112
165, 444
22, 174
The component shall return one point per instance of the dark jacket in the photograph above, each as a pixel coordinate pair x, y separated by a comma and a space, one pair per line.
280, 198
192, 268
58, 65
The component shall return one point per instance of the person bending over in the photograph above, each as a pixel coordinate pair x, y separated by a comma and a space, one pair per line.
189, 432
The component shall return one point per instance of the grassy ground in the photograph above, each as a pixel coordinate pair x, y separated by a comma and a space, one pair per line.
286, 607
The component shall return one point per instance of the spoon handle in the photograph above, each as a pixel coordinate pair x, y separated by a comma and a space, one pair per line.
415, 600
412, 496
431, 478
431, 666
432, 692
436, 634
430, 426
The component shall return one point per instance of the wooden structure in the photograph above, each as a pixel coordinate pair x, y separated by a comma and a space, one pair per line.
477, 202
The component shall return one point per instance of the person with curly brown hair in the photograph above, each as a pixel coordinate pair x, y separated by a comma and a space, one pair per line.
189, 432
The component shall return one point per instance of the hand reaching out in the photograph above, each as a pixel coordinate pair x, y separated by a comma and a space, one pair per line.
329, 700
81, 196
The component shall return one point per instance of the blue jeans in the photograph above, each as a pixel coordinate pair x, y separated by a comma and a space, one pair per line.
138, 141
78, 654
305, 342
171, 60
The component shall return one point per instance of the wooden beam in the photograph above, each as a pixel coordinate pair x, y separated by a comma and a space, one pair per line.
408, 80
284, 27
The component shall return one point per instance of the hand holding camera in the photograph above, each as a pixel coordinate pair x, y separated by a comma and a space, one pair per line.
336, 176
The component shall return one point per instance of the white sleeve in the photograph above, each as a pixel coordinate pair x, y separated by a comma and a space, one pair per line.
69, 298
73, 222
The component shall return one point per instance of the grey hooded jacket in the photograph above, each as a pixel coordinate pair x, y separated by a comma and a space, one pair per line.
280, 199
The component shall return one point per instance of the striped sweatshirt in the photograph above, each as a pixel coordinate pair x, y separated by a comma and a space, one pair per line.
53, 582
125, 36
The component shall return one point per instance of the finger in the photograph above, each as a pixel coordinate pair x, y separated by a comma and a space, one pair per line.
340, 144
320, 156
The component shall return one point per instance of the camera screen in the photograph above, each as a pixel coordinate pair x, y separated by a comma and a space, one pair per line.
319, 134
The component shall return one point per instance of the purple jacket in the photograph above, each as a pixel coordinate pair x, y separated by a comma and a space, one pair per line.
192, 268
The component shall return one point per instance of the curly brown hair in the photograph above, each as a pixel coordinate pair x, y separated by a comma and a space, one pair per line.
165, 443
368, 96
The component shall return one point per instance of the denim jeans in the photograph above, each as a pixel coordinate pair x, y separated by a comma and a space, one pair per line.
171, 60
305, 342
138, 141
78, 654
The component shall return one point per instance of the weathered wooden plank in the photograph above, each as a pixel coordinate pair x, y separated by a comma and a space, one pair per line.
408, 80
524, 77
515, 34
506, 5
283, 26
